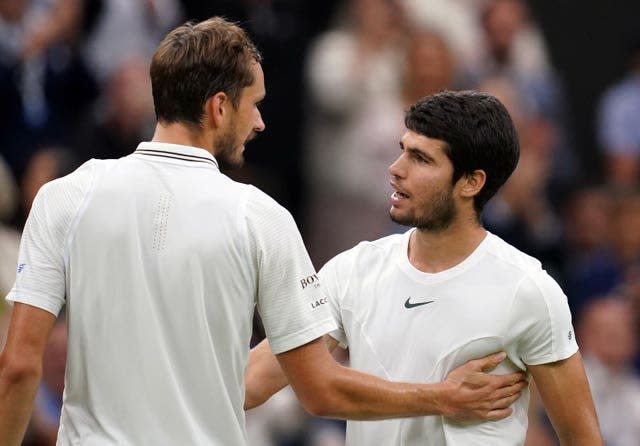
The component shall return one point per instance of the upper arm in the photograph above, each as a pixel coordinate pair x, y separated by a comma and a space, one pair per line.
264, 375
565, 392
27, 337
306, 368
289, 298
540, 330
41, 272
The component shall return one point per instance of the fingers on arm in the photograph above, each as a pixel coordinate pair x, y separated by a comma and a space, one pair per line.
489, 362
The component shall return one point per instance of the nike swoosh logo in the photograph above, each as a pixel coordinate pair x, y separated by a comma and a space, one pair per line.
408, 304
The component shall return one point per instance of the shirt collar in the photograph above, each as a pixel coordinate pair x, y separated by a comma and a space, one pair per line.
176, 152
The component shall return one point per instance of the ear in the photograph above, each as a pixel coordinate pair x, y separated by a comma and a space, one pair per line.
216, 108
472, 183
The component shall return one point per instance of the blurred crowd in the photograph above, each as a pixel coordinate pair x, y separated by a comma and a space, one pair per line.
74, 85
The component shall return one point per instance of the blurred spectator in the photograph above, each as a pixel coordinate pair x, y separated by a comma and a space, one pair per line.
125, 29
609, 343
282, 30
625, 228
514, 49
512, 41
45, 420
121, 117
603, 248
43, 83
9, 242
454, 20
589, 267
353, 77
631, 290
46, 164
522, 212
619, 125
9, 238
430, 66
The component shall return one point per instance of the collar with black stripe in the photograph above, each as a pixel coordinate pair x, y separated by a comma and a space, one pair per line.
177, 152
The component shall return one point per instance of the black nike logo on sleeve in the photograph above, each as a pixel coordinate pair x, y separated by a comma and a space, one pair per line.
409, 304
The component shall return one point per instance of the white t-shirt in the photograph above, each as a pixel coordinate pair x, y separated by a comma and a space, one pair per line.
405, 325
160, 260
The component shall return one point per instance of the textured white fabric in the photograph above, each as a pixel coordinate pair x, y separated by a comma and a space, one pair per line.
160, 260
498, 299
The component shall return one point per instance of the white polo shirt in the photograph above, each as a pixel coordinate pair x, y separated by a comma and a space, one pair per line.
405, 325
160, 260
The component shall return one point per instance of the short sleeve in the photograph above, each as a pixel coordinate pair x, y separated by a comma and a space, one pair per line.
540, 322
40, 273
291, 302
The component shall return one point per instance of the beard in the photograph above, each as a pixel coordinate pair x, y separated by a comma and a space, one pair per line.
228, 154
438, 216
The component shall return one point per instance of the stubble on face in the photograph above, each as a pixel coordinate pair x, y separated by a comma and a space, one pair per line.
228, 153
438, 213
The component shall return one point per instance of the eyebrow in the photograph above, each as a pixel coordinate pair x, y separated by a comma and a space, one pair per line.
416, 151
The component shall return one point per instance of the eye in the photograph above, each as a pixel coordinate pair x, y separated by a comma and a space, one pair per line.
417, 156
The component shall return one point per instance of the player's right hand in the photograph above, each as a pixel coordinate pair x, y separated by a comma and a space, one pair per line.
473, 394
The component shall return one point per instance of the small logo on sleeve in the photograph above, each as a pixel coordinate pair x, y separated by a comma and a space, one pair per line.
21, 267
570, 334
310, 280
319, 302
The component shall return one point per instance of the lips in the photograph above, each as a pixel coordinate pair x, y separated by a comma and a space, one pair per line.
398, 195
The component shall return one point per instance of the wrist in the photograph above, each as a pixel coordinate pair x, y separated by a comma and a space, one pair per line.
438, 397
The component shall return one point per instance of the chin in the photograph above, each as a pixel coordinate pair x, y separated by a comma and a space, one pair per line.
231, 163
399, 219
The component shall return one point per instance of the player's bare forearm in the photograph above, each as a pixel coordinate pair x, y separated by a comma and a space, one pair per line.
21, 370
327, 389
564, 389
264, 376
18, 387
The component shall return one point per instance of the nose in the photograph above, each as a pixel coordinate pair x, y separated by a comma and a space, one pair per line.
259, 125
395, 169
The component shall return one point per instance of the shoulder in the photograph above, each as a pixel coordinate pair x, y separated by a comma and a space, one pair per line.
366, 255
261, 206
524, 270
533, 286
68, 191
511, 257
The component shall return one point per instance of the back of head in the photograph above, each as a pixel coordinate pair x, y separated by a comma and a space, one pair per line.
478, 132
194, 62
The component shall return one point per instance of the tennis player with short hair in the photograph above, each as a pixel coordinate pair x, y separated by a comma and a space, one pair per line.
160, 261
413, 306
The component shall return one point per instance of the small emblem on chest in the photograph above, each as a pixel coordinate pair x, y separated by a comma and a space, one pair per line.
409, 304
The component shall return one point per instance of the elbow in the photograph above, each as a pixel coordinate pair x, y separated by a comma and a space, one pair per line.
253, 399
319, 407
18, 371
322, 401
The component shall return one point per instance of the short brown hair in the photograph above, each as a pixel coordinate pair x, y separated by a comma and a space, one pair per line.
194, 62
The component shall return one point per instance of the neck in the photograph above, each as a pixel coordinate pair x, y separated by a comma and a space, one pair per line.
433, 252
176, 133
